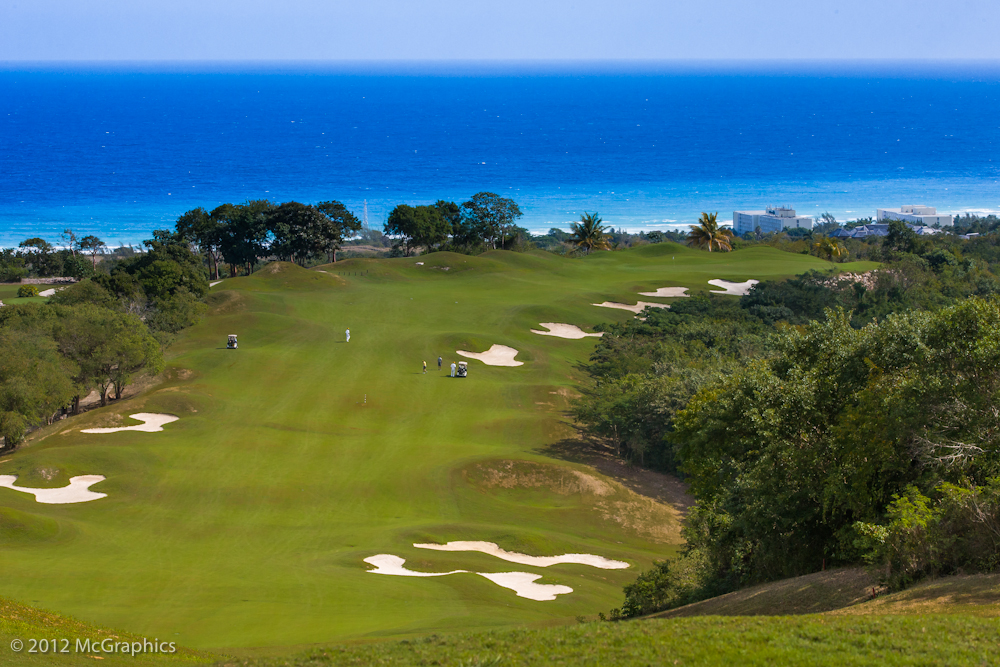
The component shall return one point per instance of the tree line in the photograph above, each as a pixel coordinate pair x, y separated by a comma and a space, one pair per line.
97, 334
819, 421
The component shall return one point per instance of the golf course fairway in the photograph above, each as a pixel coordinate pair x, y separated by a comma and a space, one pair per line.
245, 523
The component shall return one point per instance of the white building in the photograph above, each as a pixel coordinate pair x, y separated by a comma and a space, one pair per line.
921, 215
773, 219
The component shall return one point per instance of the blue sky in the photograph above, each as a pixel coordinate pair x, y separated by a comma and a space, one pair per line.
497, 30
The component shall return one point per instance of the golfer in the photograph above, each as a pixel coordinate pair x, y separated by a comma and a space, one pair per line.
425, 368
348, 332
453, 367
439, 363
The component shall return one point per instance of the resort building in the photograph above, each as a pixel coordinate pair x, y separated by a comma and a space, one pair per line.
772, 219
921, 215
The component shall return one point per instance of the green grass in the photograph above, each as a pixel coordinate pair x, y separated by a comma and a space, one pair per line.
22, 623
713, 640
244, 524
8, 294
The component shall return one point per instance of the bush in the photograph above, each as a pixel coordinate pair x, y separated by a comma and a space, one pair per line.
959, 531
27, 290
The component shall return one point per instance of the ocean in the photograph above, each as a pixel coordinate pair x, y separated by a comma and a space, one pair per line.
119, 150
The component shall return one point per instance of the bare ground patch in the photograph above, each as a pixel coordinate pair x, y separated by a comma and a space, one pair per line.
609, 499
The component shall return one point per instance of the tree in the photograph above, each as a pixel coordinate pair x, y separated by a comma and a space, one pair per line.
200, 227
829, 248
243, 236
589, 233
491, 216
94, 245
901, 238
69, 237
708, 234
417, 226
342, 225
108, 347
34, 381
299, 231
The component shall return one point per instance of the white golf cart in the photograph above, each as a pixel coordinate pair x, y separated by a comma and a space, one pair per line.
232, 345
463, 369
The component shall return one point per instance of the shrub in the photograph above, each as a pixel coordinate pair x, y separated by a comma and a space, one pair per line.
27, 290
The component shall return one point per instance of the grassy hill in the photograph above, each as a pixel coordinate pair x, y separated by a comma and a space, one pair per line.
22, 623
945, 621
245, 523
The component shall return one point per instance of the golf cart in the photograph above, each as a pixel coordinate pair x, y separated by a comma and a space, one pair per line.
232, 342
463, 369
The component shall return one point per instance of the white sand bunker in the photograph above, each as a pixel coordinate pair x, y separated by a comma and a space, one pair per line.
522, 583
389, 564
564, 331
667, 292
497, 355
637, 308
78, 490
524, 559
219, 281
734, 289
153, 422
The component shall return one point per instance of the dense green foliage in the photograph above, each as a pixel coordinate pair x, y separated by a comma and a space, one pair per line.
809, 415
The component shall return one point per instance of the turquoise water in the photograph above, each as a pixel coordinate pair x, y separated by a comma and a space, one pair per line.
119, 151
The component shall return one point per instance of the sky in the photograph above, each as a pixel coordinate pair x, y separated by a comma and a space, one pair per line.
476, 30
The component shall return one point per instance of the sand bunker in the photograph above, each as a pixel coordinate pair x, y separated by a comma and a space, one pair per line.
420, 263
78, 490
497, 355
153, 422
524, 559
637, 308
522, 583
389, 564
734, 289
667, 292
219, 281
564, 331
47, 292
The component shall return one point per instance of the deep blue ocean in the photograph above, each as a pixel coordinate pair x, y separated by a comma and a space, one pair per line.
121, 150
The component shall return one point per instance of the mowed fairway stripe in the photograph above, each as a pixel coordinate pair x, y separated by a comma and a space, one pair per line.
246, 522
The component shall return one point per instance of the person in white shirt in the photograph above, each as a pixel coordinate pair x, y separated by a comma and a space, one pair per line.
453, 367
348, 332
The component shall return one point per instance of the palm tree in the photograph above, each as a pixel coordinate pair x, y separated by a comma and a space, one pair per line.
829, 247
589, 233
707, 234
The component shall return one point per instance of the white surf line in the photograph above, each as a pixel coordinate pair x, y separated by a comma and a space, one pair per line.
521, 583
497, 355
733, 289
153, 422
667, 292
560, 330
524, 559
78, 490
637, 308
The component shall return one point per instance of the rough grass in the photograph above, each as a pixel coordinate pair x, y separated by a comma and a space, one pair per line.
20, 622
790, 640
245, 524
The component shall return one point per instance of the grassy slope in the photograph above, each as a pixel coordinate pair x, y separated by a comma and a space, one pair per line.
20, 622
245, 523
945, 621
713, 640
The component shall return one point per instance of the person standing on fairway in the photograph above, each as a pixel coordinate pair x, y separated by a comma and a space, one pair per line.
439, 363
348, 332
453, 369
425, 368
